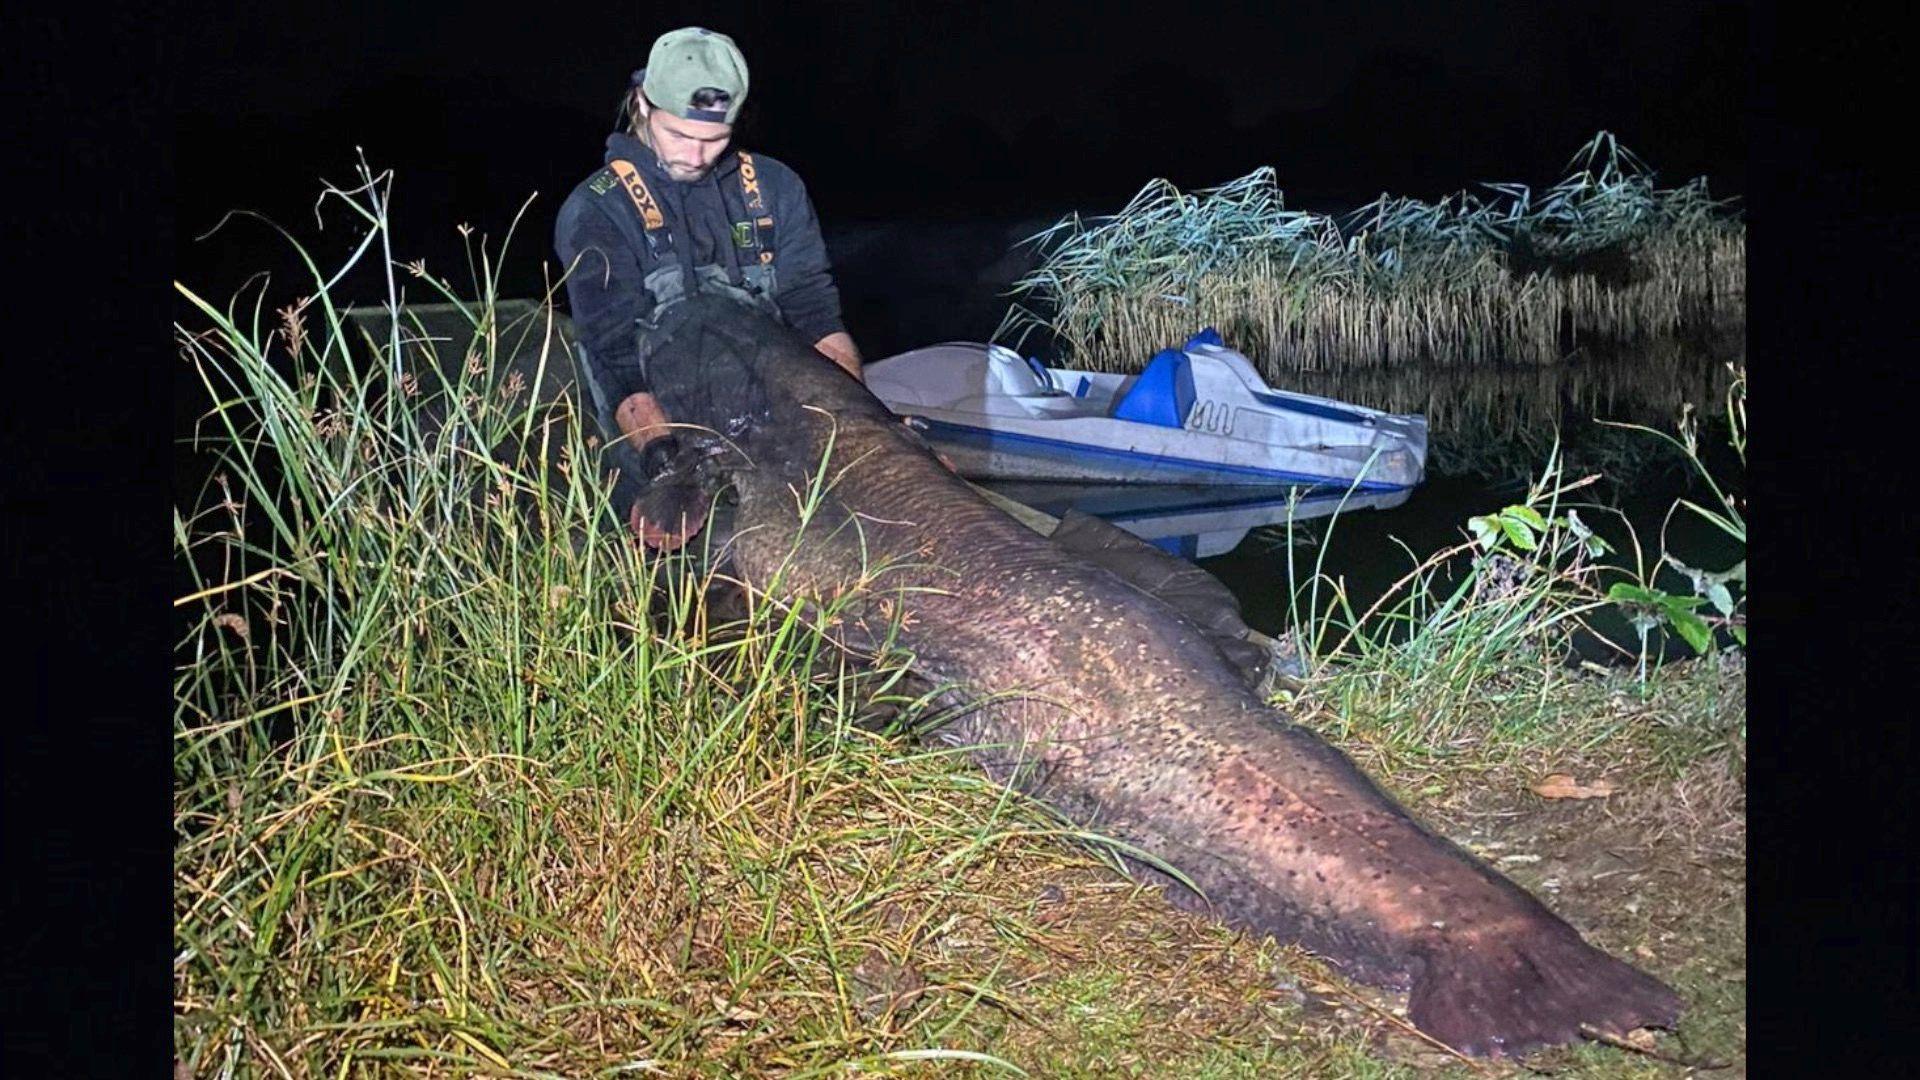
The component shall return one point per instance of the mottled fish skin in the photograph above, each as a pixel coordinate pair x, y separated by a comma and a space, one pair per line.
1105, 704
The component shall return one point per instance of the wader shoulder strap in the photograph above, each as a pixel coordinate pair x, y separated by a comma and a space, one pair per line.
759, 224
657, 238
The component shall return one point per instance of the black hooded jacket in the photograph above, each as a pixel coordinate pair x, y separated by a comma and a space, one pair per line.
606, 273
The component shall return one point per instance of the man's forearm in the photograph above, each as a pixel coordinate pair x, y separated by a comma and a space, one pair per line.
839, 347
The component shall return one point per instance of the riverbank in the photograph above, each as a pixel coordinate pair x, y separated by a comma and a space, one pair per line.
465, 784
469, 804
634, 864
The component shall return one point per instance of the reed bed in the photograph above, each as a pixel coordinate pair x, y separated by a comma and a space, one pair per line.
1510, 276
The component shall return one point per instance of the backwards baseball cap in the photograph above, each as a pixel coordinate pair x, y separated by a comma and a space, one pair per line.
690, 59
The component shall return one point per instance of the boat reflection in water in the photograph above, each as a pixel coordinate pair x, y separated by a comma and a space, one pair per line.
1193, 522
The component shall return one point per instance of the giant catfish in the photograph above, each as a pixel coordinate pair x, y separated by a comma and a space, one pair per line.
1103, 700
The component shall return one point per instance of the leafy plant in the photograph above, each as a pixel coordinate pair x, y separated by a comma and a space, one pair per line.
1522, 526
1724, 591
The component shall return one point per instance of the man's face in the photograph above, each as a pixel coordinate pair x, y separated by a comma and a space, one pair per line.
687, 149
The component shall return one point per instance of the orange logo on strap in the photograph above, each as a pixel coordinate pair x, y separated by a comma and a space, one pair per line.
749, 182
637, 191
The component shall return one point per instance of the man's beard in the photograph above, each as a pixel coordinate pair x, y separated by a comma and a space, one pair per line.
683, 173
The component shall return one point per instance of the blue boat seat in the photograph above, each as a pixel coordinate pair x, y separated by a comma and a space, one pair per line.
1163, 394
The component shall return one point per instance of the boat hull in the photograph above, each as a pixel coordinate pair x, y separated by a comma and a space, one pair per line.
1156, 456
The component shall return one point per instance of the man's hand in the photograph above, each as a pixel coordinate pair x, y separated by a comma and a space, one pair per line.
839, 347
641, 419
668, 513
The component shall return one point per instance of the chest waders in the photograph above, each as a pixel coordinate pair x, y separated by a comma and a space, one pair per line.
645, 225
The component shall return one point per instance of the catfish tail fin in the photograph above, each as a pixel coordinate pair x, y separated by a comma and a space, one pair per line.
1487, 995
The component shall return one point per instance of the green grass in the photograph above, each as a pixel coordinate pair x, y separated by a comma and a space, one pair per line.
463, 781
465, 784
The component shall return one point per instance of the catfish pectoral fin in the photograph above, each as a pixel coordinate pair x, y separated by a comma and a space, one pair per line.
1534, 987
668, 514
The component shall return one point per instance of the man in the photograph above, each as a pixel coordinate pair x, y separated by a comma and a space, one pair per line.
672, 212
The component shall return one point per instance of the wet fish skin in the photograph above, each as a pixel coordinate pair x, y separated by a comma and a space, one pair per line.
1118, 712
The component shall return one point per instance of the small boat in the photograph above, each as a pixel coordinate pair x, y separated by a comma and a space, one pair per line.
1199, 414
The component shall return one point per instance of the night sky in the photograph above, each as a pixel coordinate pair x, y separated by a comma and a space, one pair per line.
938, 111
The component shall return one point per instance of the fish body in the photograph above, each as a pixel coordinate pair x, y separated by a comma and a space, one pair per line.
1111, 706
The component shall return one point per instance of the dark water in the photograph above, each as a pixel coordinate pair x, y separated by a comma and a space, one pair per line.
1264, 547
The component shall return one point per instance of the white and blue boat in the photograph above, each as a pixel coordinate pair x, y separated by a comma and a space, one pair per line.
1199, 414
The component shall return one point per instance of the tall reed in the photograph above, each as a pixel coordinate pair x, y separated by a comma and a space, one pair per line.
1509, 276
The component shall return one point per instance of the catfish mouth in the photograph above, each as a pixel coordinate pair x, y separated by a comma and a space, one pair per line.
667, 516
674, 507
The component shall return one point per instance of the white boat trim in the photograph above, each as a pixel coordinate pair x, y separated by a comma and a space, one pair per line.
950, 430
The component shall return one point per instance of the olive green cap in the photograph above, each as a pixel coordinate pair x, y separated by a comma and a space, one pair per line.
685, 60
